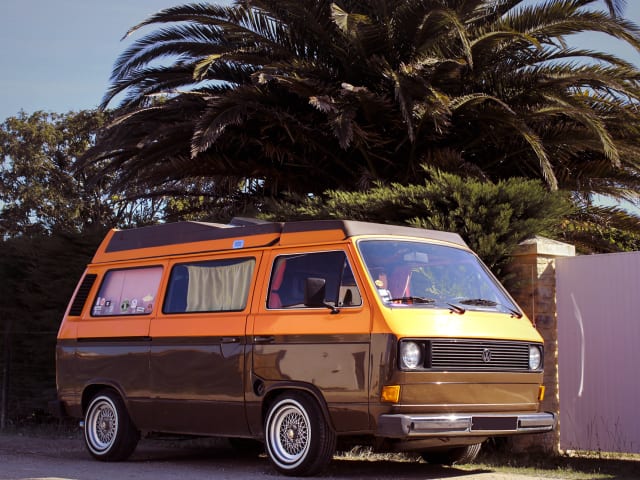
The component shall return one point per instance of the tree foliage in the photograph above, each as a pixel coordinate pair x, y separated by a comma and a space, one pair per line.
41, 191
306, 95
491, 217
601, 229
38, 275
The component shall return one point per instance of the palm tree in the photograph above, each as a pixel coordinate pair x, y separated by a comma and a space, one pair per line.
302, 95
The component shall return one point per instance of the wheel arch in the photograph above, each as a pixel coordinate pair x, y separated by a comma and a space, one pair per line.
276, 390
92, 389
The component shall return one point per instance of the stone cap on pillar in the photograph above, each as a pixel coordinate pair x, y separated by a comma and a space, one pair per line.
544, 246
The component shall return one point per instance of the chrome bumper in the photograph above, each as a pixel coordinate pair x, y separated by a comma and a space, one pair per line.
482, 425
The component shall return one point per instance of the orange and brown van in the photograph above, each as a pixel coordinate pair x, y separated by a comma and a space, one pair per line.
298, 335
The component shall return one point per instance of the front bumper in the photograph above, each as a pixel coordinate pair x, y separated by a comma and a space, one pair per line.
405, 426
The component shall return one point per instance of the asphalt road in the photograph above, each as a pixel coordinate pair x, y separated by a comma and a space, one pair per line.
64, 458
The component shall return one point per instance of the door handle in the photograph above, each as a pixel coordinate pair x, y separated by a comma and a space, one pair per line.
263, 339
229, 340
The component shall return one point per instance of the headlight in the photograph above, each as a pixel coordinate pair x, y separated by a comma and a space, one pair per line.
410, 355
535, 357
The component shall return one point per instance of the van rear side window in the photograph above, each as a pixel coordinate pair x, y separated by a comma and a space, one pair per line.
211, 286
128, 292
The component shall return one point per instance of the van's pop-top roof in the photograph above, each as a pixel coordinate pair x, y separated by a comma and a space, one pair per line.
189, 237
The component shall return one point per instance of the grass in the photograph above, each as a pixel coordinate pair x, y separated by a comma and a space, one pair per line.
570, 465
496, 458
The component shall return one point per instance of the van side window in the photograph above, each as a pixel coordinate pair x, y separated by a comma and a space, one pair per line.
211, 286
128, 292
289, 274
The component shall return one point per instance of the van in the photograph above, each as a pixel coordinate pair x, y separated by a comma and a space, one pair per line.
304, 336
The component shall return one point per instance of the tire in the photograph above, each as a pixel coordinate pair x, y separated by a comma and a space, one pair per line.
453, 456
298, 439
109, 433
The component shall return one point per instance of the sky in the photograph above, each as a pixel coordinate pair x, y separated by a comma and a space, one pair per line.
57, 55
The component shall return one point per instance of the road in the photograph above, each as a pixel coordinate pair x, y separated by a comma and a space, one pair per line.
64, 458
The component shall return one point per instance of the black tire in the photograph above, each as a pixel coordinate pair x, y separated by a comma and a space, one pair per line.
298, 439
452, 456
109, 433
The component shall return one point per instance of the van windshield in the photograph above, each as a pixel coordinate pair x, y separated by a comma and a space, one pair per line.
420, 274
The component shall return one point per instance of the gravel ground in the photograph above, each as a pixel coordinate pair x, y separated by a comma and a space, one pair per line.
57, 457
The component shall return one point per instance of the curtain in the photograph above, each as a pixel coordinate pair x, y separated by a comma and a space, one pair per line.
219, 288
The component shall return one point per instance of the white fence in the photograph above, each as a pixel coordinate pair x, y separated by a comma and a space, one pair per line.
598, 301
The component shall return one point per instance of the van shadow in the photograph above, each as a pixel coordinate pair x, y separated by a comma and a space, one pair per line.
219, 453
356, 469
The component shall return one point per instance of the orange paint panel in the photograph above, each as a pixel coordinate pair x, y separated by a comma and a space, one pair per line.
312, 322
199, 325
68, 330
442, 323
129, 326
312, 237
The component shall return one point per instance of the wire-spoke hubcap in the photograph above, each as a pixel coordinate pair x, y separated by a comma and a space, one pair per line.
102, 425
293, 433
105, 430
289, 434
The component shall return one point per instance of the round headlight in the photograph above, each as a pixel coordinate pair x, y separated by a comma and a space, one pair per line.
535, 357
410, 355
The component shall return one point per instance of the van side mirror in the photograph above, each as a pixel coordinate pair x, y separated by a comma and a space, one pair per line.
315, 290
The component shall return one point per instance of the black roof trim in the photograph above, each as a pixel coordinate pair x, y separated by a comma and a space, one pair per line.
182, 232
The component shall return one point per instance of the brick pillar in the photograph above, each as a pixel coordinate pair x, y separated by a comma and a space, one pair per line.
534, 288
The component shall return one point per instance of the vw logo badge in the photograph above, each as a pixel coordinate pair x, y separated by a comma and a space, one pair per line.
486, 355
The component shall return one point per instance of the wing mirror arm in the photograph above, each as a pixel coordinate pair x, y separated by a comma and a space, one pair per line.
314, 292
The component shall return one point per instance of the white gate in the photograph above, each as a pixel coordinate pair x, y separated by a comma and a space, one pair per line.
598, 300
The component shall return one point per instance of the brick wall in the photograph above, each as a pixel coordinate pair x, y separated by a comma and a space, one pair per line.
533, 269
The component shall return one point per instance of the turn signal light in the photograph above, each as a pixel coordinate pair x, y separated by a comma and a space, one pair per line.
541, 393
390, 393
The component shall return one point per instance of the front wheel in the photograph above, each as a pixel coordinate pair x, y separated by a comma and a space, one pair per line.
109, 433
452, 456
297, 437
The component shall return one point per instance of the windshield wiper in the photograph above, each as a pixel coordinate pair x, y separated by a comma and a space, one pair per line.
456, 308
482, 302
479, 302
410, 300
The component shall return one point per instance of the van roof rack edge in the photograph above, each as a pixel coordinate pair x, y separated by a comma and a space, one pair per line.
191, 231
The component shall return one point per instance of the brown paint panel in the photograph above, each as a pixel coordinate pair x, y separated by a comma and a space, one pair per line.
337, 369
313, 348
197, 371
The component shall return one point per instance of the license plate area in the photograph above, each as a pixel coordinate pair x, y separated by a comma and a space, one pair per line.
494, 423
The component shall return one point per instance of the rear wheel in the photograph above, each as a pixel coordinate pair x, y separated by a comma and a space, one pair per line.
452, 456
297, 437
109, 433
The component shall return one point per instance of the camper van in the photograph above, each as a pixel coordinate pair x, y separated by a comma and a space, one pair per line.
303, 336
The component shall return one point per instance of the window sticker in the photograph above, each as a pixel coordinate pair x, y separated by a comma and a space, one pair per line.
128, 292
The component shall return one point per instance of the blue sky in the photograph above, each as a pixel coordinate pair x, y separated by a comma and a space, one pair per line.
56, 55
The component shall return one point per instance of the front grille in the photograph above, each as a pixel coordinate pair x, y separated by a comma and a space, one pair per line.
477, 355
